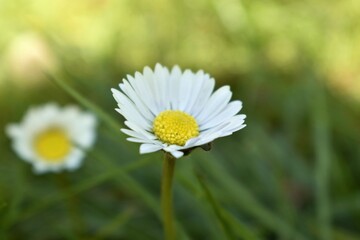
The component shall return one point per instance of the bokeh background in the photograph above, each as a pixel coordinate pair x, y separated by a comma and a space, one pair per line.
292, 173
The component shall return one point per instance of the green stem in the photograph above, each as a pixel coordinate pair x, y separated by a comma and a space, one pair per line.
166, 196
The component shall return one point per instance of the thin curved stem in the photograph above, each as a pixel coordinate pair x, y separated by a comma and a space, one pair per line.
166, 196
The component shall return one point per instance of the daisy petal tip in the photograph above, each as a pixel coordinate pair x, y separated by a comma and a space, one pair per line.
147, 69
123, 130
11, 129
148, 148
177, 154
158, 65
38, 170
176, 68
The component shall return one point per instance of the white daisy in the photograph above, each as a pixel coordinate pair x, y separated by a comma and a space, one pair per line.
52, 138
175, 111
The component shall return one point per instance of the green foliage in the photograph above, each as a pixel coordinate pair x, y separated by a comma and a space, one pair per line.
292, 173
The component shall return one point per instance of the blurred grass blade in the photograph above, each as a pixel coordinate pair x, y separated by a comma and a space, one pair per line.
117, 223
349, 204
323, 159
240, 229
13, 210
82, 187
247, 201
108, 120
220, 214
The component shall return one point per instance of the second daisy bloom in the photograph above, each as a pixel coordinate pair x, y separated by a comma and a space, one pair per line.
52, 138
174, 110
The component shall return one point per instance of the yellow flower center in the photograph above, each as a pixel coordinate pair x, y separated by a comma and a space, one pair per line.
52, 145
175, 127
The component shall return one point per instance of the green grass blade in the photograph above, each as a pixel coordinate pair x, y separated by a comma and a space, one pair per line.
82, 187
323, 159
219, 213
108, 120
116, 223
247, 202
13, 210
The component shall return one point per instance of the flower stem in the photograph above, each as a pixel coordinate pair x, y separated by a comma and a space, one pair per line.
166, 196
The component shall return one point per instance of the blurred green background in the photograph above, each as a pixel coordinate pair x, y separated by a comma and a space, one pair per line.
292, 173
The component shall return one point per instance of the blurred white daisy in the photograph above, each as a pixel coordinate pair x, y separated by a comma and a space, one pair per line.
175, 111
52, 138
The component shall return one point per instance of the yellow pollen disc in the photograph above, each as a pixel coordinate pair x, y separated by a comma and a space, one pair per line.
52, 145
175, 127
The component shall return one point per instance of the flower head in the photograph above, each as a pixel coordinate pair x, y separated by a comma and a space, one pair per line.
53, 138
176, 111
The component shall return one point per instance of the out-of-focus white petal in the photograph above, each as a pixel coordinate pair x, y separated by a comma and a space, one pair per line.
75, 159
13, 130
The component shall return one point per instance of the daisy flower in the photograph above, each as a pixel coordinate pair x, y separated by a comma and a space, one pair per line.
53, 138
176, 110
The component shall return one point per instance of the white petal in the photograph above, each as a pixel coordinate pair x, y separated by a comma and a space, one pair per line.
23, 149
207, 138
148, 85
80, 126
142, 90
39, 168
162, 75
177, 154
38, 118
170, 148
128, 108
191, 142
140, 140
216, 103
236, 123
149, 79
140, 130
204, 95
185, 85
74, 160
174, 80
13, 130
159, 84
137, 134
130, 92
230, 110
148, 148
132, 116
196, 86
227, 133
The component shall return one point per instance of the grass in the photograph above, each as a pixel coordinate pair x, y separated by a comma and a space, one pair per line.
259, 184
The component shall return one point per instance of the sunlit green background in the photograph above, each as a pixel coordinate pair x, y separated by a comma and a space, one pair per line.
292, 173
